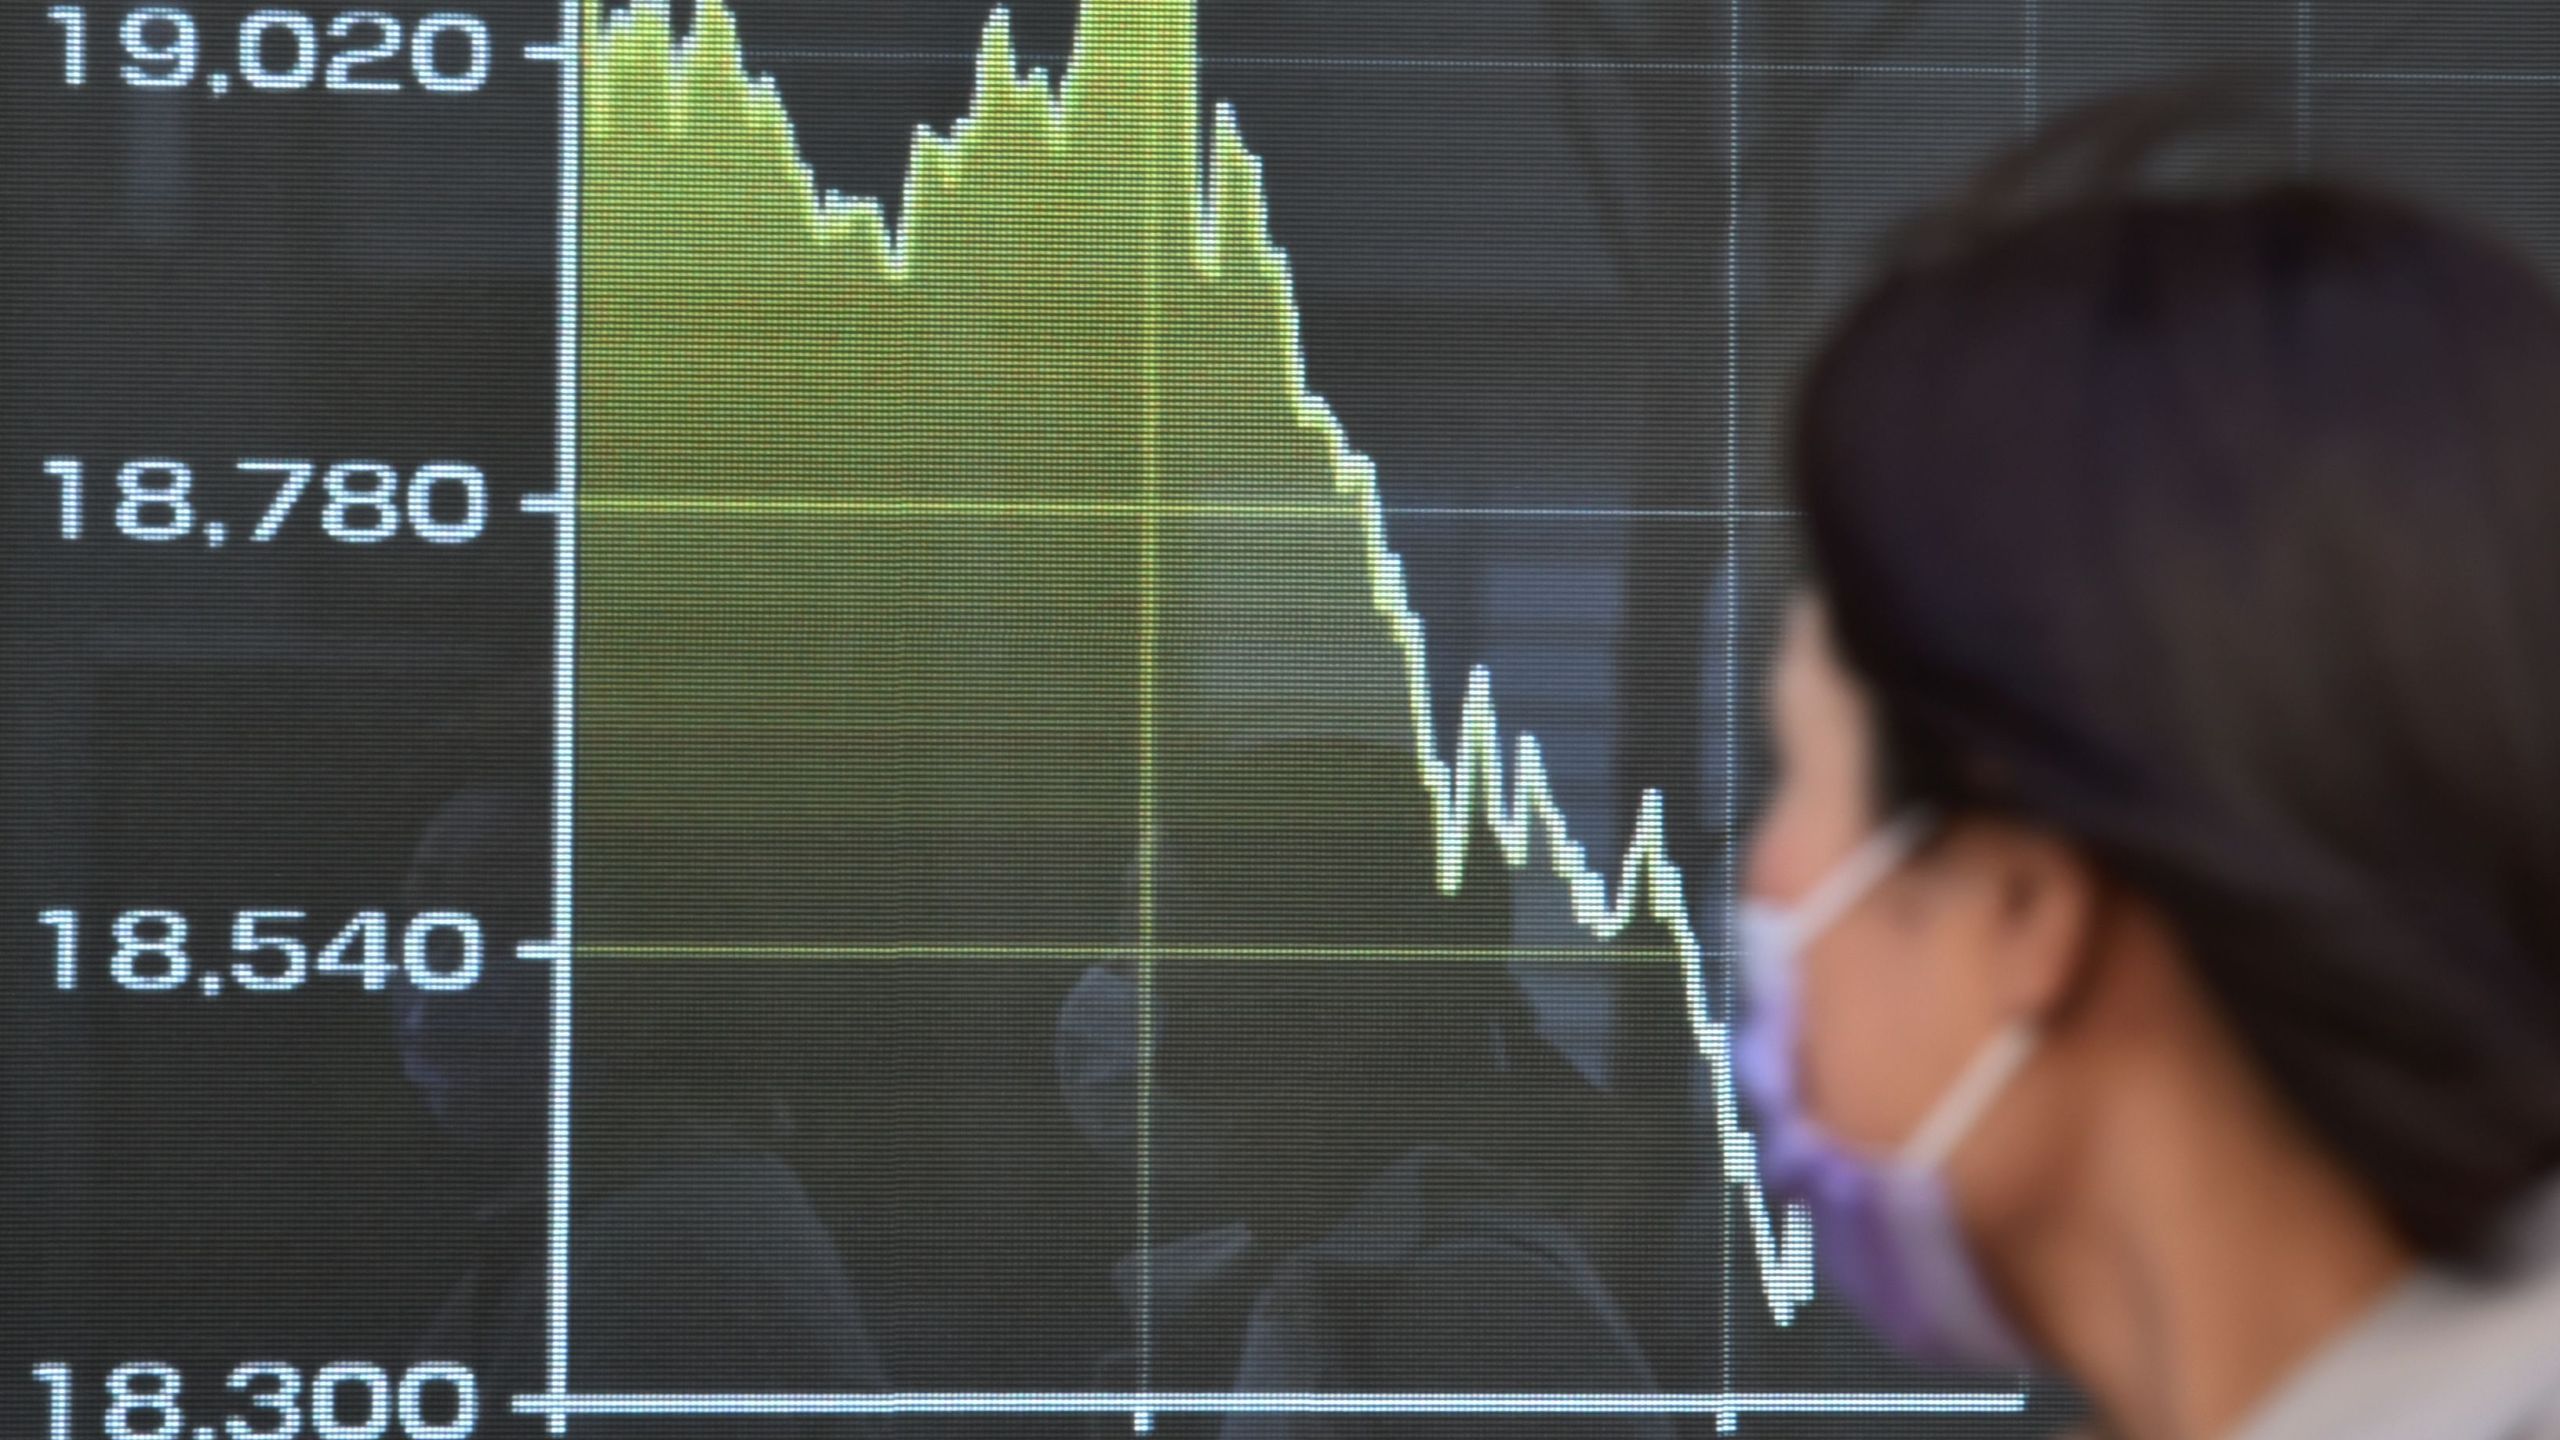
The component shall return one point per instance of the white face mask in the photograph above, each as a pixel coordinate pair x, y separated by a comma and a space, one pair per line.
1885, 1227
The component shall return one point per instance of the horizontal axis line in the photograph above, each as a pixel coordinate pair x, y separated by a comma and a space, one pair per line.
1283, 1403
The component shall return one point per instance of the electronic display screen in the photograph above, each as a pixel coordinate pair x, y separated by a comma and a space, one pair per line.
861, 717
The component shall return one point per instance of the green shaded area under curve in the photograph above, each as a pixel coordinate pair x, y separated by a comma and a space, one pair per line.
992, 578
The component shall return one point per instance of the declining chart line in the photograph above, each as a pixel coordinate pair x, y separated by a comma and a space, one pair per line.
1217, 227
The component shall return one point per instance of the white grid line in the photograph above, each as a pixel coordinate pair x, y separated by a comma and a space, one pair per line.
2484, 79
2028, 72
1772, 514
2302, 82
1727, 1421
1876, 69
2032, 46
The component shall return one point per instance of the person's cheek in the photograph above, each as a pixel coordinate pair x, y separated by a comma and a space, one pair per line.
1826, 1064
1861, 1031
1785, 857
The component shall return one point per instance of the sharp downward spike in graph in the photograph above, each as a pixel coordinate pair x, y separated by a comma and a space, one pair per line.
971, 363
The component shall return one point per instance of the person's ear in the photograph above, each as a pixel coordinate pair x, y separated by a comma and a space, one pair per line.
2039, 908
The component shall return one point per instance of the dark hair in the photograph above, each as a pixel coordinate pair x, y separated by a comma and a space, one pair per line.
2220, 532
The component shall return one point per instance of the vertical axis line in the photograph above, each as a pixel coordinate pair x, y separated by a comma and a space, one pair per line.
564, 695
1730, 591
1150, 600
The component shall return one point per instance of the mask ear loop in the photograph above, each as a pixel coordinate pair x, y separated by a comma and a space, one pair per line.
1768, 968
1994, 1065
1985, 1076
1880, 855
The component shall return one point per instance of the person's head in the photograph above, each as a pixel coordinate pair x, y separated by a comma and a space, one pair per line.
2194, 560
477, 1056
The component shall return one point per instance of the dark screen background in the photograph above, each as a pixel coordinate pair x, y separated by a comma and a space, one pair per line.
1524, 286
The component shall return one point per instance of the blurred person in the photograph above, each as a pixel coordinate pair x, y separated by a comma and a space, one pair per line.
1361, 1152
2152, 938
696, 1261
